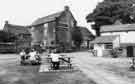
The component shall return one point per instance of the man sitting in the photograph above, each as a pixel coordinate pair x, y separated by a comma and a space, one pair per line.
22, 54
38, 57
55, 60
32, 55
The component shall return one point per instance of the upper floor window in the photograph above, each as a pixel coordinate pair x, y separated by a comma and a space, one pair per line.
45, 25
62, 24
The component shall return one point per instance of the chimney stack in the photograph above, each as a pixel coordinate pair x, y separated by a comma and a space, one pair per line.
6, 22
66, 8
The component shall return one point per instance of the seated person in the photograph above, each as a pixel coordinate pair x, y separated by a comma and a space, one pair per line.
55, 60
32, 55
38, 56
22, 54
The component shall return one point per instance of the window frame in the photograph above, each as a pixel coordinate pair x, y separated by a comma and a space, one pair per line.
108, 46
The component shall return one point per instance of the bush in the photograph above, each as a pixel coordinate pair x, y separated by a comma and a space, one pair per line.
115, 52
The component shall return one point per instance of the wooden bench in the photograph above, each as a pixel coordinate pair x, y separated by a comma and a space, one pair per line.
63, 59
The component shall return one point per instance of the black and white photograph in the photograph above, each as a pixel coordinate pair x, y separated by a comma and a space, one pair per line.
67, 42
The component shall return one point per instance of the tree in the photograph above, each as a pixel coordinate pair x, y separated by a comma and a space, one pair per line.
77, 37
109, 11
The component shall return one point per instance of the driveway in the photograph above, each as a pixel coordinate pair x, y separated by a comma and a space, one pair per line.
100, 69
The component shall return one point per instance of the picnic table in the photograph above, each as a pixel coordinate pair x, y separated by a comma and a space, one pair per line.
64, 60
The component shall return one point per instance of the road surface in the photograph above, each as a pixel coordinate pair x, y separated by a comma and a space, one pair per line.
91, 67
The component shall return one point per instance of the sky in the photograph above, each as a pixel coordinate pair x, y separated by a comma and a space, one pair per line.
24, 12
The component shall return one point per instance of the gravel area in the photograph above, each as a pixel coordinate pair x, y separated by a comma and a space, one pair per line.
105, 70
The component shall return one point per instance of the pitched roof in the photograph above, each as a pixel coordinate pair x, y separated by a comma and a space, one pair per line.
16, 29
46, 19
117, 28
87, 35
105, 39
52, 17
127, 44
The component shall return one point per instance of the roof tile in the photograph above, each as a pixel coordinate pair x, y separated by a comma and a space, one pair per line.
118, 28
105, 39
16, 29
85, 33
46, 19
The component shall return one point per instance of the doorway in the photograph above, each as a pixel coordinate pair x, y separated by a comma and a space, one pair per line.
130, 51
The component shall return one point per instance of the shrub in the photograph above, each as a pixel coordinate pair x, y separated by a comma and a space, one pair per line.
116, 52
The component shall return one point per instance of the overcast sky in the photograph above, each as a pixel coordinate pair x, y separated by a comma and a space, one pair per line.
24, 12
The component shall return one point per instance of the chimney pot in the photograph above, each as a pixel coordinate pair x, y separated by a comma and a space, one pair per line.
66, 8
6, 22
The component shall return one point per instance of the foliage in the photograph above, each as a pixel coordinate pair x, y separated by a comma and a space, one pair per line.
7, 37
77, 37
109, 11
115, 52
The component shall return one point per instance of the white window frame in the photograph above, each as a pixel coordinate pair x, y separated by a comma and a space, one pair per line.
108, 46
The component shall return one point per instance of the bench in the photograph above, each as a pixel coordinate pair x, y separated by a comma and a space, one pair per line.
63, 59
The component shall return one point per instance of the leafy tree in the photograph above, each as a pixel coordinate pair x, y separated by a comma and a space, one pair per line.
77, 37
109, 11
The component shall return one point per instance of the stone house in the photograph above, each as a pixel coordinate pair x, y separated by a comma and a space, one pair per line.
21, 32
54, 30
116, 36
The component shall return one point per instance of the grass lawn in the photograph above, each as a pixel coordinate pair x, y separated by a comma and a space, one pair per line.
12, 73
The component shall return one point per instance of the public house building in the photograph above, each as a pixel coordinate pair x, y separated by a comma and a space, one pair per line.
54, 29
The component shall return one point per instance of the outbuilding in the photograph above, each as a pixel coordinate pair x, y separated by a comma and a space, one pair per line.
116, 36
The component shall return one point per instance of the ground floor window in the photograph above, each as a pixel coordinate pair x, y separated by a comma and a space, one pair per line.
109, 46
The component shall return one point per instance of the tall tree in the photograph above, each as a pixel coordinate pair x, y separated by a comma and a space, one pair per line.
109, 11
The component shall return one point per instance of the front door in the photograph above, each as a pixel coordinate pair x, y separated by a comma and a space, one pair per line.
130, 51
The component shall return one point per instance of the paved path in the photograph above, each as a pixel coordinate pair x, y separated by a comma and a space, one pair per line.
88, 63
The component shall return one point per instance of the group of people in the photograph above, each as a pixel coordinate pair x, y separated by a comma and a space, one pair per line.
33, 56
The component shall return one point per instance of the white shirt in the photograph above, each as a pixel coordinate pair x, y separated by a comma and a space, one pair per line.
22, 53
55, 57
32, 55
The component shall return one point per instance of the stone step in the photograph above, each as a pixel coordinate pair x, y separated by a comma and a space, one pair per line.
47, 68
44, 68
65, 70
